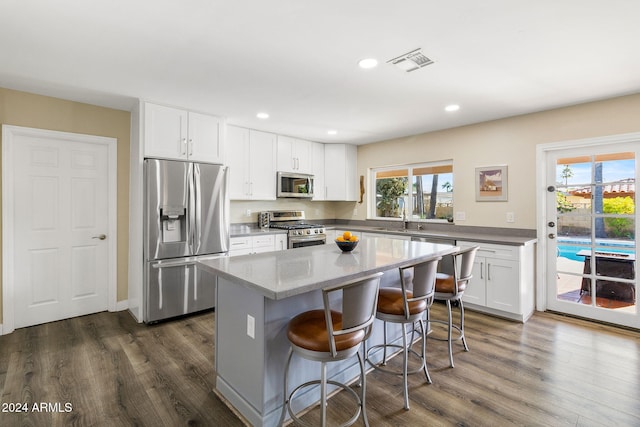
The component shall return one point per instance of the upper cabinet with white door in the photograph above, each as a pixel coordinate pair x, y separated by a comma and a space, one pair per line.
294, 155
172, 133
341, 172
251, 157
317, 170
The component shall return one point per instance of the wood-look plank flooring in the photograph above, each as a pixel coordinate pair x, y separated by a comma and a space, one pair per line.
551, 371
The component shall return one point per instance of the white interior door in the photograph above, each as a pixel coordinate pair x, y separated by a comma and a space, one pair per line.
59, 232
589, 231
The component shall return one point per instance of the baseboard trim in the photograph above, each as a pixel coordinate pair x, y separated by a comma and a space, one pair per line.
122, 305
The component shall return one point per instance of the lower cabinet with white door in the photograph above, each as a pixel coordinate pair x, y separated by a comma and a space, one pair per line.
243, 245
503, 280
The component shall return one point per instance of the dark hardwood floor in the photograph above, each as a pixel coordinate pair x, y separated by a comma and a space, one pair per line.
110, 371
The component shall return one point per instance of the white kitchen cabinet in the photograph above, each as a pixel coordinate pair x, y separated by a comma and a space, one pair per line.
294, 155
172, 133
263, 243
240, 245
317, 169
243, 245
251, 156
503, 280
281, 242
341, 172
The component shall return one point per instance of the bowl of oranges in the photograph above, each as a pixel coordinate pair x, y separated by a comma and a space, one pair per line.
347, 241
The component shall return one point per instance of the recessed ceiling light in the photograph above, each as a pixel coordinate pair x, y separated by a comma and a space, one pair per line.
452, 107
368, 63
262, 116
332, 132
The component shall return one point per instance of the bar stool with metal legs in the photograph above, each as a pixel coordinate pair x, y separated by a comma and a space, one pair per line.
326, 335
451, 288
405, 305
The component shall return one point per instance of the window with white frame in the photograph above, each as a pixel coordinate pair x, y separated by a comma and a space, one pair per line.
421, 191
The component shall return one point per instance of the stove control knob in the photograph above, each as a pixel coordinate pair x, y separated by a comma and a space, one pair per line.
308, 231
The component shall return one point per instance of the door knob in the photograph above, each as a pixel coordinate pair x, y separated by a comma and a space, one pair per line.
100, 236
551, 224
552, 236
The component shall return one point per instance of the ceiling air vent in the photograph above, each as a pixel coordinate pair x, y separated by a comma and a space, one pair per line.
411, 61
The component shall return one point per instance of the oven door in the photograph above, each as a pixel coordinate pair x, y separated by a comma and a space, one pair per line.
302, 241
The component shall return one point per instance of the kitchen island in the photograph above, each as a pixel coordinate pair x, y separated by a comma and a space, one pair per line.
258, 294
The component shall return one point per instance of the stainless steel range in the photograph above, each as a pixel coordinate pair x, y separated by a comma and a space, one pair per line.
300, 233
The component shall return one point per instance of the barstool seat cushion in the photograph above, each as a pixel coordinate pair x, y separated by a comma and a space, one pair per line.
390, 302
308, 330
445, 284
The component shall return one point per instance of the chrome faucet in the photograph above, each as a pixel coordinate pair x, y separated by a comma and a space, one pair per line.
405, 223
420, 227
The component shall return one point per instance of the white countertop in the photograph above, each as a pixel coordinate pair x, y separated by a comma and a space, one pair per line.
282, 274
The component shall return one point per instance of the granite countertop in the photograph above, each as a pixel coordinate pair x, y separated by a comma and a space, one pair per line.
240, 230
282, 274
453, 235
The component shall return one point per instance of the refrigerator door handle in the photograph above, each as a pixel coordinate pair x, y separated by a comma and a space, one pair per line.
197, 210
191, 215
170, 264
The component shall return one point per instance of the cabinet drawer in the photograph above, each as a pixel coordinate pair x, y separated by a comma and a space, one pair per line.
238, 243
264, 241
492, 250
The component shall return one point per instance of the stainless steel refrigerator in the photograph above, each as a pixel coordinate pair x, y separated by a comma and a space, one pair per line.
186, 219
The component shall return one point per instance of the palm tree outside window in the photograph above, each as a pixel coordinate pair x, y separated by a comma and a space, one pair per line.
417, 191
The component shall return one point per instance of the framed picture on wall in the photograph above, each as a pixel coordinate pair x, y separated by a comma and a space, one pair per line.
491, 184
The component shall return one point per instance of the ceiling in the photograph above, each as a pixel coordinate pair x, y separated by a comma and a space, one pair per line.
298, 60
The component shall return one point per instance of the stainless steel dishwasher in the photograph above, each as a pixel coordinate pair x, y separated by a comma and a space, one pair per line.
446, 264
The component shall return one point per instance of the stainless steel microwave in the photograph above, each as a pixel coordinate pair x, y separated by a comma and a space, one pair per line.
295, 185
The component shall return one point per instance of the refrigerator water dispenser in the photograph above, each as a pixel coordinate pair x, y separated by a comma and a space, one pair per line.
173, 223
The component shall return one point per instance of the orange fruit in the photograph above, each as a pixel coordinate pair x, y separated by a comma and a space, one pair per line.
346, 235
340, 239
353, 238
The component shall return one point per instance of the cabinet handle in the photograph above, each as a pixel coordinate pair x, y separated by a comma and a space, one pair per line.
481, 270
190, 147
488, 271
183, 144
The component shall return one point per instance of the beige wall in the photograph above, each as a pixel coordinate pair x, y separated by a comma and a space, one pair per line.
511, 142
28, 110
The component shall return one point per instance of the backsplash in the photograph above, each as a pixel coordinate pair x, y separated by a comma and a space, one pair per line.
312, 210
